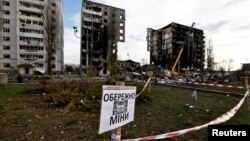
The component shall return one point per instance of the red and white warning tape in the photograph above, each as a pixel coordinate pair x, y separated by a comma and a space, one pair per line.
221, 119
216, 85
144, 87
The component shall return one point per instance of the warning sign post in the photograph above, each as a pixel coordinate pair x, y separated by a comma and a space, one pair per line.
117, 108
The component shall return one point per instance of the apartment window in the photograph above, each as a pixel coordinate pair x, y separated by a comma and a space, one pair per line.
40, 48
40, 65
113, 14
53, 12
6, 65
40, 23
26, 70
105, 13
87, 6
38, 6
28, 39
53, 66
25, 30
22, 56
6, 30
6, 47
6, 3
53, 19
6, 56
28, 21
6, 38
121, 37
6, 21
22, 22
6, 12
35, 23
105, 20
53, 4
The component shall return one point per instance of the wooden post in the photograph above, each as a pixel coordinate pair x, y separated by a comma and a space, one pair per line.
116, 133
247, 88
149, 88
246, 83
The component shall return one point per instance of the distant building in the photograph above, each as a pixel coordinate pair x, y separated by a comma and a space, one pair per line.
246, 69
102, 28
23, 35
164, 45
128, 64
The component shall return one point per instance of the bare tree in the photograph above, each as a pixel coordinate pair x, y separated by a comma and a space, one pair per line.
113, 64
216, 66
210, 56
51, 30
230, 61
223, 63
222, 70
144, 61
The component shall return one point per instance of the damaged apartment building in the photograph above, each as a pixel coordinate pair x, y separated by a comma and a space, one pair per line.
23, 36
102, 28
164, 45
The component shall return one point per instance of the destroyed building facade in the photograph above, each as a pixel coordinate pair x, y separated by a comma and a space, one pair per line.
164, 45
102, 27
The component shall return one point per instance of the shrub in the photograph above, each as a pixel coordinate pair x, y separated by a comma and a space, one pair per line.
81, 94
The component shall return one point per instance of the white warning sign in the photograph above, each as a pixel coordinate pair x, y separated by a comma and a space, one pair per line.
118, 103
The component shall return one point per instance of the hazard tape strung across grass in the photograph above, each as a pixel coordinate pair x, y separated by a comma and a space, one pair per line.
221, 119
144, 87
216, 85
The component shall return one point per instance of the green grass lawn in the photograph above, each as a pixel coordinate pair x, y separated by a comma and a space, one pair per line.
23, 118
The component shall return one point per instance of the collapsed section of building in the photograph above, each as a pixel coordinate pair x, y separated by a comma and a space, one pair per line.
102, 28
165, 44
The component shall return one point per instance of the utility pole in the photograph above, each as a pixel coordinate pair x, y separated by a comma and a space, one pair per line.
75, 31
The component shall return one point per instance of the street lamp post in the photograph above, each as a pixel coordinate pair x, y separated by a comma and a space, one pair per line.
75, 31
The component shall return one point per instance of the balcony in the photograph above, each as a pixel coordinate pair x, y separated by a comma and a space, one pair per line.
36, 52
39, 19
92, 20
86, 27
38, 2
30, 61
34, 43
35, 35
96, 60
92, 12
31, 9
31, 26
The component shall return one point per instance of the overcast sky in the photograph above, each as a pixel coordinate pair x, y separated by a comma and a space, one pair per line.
226, 22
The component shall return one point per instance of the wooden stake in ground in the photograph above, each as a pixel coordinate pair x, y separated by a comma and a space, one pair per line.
117, 133
194, 96
247, 88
